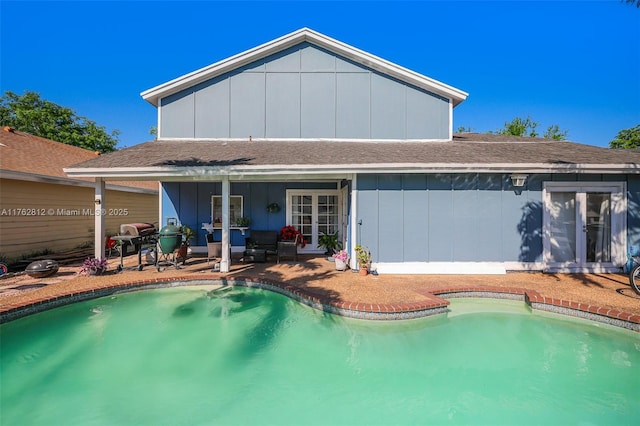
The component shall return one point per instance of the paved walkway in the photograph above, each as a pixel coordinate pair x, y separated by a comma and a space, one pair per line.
314, 280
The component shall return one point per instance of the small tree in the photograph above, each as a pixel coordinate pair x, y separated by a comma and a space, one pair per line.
554, 132
31, 114
627, 139
527, 127
520, 127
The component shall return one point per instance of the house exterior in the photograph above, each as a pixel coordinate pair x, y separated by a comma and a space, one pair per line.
41, 208
341, 140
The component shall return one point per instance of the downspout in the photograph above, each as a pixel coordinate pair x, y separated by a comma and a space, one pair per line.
99, 232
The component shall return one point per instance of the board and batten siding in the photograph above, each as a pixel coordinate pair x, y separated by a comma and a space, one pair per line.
61, 222
305, 92
463, 217
191, 203
449, 218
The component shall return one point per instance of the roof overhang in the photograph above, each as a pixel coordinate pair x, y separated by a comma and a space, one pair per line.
154, 94
337, 171
31, 177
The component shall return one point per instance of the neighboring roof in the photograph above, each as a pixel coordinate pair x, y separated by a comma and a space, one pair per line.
27, 157
368, 60
467, 152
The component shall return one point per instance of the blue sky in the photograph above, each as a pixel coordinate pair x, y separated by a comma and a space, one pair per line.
571, 63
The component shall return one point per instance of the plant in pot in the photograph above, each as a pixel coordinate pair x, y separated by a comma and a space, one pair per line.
330, 243
363, 256
187, 235
94, 266
291, 233
341, 258
243, 221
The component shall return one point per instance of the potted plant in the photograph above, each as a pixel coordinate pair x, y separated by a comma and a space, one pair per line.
363, 256
291, 233
243, 222
330, 242
187, 234
94, 266
341, 258
273, 208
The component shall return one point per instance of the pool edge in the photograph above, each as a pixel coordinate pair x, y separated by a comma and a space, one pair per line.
435, 304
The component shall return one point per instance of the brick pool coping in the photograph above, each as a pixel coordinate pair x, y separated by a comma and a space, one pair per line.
436, 302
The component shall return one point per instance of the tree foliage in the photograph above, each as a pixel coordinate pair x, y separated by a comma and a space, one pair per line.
627, 139
527, 127
31, 114
637, 2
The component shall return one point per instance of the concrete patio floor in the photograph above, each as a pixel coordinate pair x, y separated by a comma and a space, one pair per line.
316, 276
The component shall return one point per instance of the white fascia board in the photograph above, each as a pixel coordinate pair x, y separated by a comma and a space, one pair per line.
339, 170
154, 94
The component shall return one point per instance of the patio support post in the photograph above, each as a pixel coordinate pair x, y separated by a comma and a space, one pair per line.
225, 263
355, 228
98, 214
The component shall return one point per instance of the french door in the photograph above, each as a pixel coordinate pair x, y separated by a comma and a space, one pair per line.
313, 212
584, 226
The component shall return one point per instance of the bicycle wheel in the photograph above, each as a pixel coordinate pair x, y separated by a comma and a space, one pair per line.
634, 278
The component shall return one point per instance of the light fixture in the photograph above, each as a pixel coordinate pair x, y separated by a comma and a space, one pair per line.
97, 201
518, 180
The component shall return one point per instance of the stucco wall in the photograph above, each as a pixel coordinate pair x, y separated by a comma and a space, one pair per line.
37, 216
304, 92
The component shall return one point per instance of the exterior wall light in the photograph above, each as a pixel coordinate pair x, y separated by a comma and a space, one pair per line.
518, 180
97, 201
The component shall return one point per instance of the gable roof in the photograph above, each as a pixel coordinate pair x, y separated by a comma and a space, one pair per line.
28, 157
302, 35
466, 153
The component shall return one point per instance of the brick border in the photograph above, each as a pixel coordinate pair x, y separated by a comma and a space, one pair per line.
436, 303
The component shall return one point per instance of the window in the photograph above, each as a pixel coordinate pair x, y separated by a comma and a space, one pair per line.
235, 209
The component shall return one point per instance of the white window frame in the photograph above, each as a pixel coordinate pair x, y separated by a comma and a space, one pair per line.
233, 200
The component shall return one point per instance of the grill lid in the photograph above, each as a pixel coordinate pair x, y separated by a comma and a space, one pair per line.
137, 229
170, 230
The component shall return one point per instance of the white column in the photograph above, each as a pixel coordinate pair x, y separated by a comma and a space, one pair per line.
225, 263
99, 209
354, 221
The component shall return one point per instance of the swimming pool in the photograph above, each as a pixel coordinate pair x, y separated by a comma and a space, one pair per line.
246, 356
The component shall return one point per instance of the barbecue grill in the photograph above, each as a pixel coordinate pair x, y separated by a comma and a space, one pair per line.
138, 235
170, 238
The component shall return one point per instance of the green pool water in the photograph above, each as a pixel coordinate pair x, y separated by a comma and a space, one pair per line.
189, 356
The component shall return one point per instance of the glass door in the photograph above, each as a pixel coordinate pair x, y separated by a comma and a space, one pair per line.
563, 220
314, 213
583, 230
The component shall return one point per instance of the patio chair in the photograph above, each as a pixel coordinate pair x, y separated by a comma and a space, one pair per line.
214, 249
288, 249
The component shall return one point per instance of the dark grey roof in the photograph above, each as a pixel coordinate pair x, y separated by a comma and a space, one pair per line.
465, 148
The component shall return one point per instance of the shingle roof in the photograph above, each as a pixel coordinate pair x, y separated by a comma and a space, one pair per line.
465, 150
35, 156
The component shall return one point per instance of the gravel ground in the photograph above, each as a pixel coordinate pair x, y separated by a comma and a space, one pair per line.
318, 276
